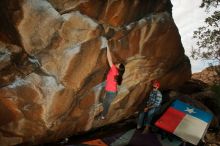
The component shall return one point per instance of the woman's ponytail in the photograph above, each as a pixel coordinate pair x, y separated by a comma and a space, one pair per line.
121, 71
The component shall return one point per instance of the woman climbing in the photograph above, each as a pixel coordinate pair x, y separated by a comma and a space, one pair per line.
114, 78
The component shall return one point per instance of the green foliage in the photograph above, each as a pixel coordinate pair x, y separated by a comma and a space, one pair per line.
216, 90
208, 37
209, 3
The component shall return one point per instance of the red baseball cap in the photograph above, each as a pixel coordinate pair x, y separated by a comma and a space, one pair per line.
156, 83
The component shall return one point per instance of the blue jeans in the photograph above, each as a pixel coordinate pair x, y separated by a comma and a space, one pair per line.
145, 118
109, 97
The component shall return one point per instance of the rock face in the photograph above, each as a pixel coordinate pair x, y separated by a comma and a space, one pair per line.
210, 75
53, 63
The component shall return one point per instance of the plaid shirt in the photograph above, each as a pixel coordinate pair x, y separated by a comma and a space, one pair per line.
155, 98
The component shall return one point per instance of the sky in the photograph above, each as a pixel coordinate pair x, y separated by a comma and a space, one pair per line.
188, 17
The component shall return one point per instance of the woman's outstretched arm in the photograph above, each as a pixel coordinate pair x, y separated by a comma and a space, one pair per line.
109, 57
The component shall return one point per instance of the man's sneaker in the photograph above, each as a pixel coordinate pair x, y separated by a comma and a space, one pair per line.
138, 127
146, 130
64, 141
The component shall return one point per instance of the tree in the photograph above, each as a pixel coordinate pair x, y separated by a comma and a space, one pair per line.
208, 36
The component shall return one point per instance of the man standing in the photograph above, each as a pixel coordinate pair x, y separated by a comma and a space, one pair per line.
151, 107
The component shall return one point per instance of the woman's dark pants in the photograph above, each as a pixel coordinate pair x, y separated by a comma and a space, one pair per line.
109, 97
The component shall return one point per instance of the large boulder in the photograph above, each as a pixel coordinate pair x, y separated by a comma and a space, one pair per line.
193, 86
53, 63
